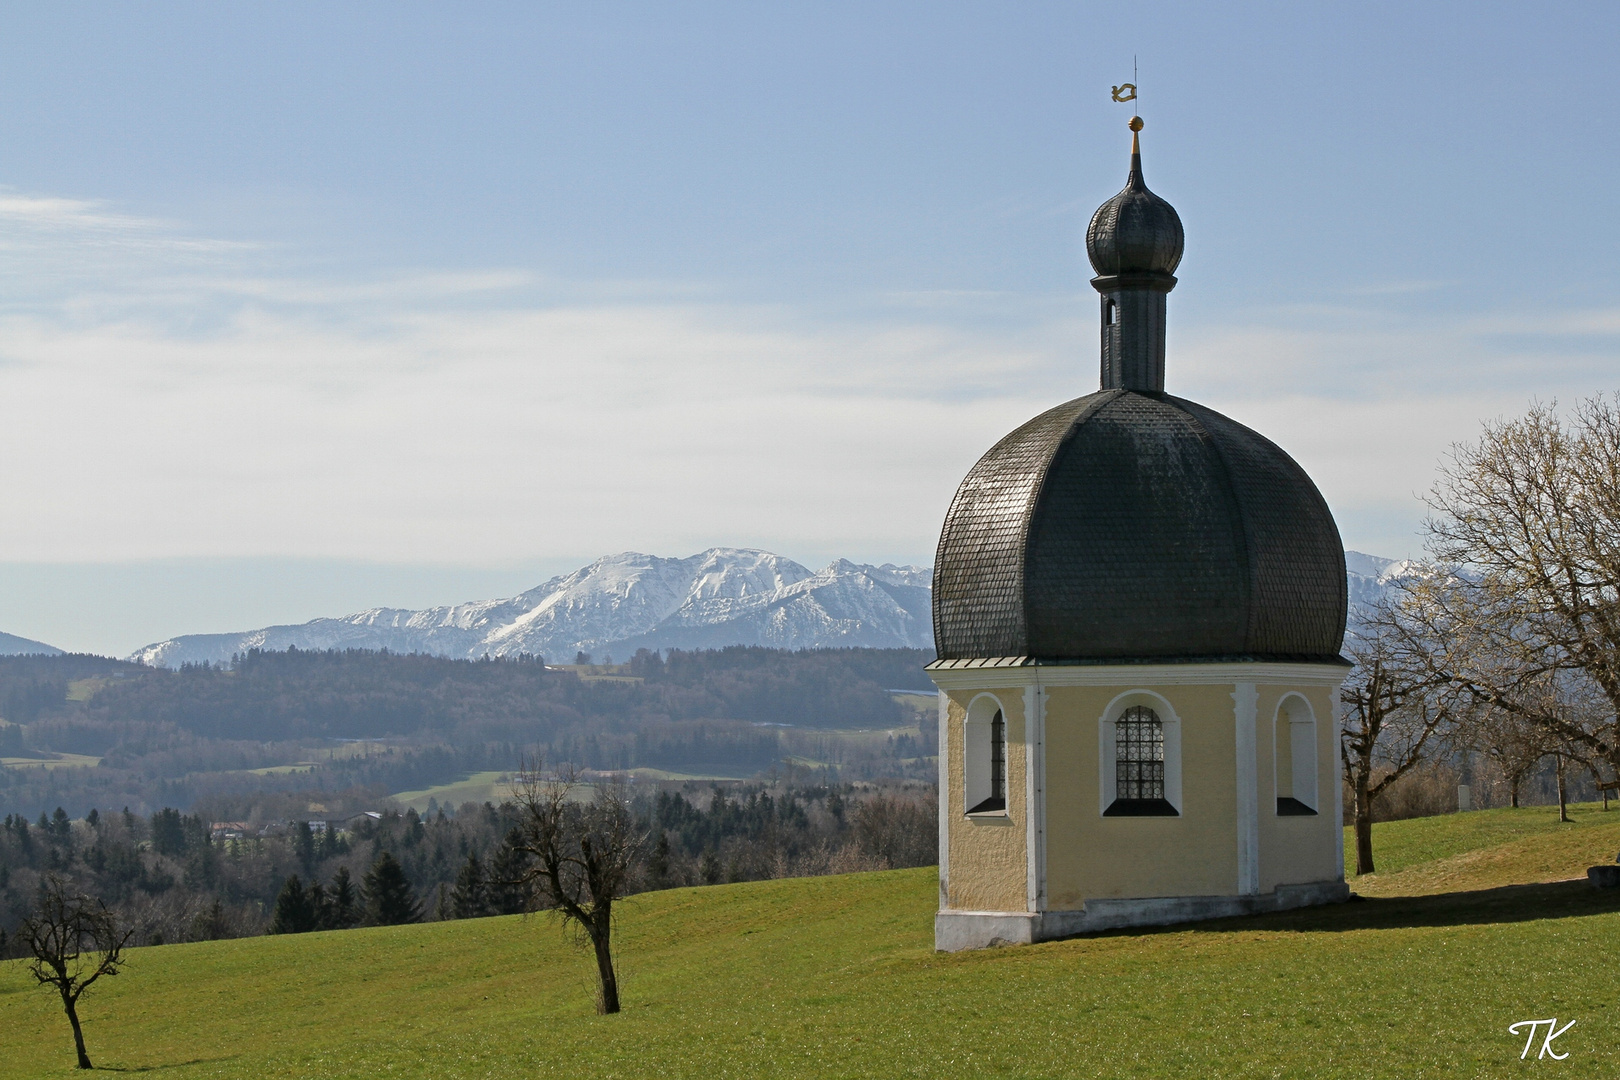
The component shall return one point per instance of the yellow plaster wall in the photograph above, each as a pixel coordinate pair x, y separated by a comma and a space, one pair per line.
988, 862
1088, 855
1295, 850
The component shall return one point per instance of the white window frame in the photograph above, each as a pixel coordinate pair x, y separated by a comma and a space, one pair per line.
1301, 780
976, 755
1168, 720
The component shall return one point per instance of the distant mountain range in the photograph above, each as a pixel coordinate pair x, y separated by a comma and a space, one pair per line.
621, 603
1370, 579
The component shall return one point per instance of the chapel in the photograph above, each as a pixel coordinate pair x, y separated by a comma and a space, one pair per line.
1138, 608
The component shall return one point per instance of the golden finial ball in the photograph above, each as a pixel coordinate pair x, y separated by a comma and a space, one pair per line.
1136, 123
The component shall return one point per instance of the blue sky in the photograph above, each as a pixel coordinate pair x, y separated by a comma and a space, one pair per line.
308, 308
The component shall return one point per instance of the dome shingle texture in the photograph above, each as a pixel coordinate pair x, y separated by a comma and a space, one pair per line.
1128, 526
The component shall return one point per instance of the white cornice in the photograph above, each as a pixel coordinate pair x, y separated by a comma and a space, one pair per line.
1265, 672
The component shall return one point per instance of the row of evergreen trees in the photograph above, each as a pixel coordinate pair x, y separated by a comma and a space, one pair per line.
385, 898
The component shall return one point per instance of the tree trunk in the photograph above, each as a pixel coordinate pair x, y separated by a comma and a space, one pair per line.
1513, 791
1563, 800
604, 969
1363, 816
78, 1034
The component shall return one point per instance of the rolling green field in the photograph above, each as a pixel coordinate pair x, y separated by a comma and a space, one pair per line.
60, 761
479, 787
1469, 931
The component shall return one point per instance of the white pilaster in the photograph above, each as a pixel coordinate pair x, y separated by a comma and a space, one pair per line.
1336, 793
1245, 699
944, 799
1035, 793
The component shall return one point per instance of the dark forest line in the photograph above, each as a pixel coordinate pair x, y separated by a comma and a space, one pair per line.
352, 726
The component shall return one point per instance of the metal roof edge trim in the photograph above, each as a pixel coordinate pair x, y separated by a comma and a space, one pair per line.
1132, 661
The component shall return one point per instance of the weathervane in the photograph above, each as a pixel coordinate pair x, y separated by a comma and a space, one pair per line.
1127, 92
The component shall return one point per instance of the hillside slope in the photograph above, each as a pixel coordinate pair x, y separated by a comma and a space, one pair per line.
12, 645
836, 977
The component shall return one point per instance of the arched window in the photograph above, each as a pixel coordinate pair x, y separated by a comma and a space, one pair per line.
1139, 766
1295, 757
997, 797
984, 774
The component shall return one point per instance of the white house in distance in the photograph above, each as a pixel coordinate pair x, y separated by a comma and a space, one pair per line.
1138, 609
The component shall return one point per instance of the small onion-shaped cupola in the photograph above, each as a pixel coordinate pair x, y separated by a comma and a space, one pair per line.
1135, 244
1135, 232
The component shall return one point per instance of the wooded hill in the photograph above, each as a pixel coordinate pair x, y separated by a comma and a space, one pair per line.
378, 722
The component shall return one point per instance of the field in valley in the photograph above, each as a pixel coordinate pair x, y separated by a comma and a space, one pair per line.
1470, 928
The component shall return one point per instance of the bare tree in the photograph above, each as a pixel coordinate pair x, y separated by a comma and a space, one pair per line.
1392, 715
1525, 591
74, 940
583, 858
1507, 739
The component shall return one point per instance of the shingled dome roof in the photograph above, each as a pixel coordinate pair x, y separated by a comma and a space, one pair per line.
1128, 526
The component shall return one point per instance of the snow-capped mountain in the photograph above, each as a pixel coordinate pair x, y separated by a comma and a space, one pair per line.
1370, 579
12, 645
619, 603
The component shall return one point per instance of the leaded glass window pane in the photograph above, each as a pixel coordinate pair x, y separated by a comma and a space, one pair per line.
1138, 754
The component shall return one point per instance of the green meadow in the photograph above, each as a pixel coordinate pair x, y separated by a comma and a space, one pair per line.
478, 787
1475, 925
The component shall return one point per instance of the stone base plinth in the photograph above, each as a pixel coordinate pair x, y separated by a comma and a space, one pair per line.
958, 930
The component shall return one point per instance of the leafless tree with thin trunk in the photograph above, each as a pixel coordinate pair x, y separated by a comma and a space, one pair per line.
584, 856
74, 940
1516, 746
1392, 716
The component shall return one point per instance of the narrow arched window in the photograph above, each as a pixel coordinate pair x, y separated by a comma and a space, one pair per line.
985, 769
1294, 757
1139, 761
987, 788
1108, 313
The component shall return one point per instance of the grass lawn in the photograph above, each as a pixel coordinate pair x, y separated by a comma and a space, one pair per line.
837, 977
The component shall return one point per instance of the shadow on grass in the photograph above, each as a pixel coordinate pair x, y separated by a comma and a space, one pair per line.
1507, 904
164, 1067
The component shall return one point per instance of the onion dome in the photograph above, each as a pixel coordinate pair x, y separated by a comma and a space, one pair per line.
1126, 526
1135, 232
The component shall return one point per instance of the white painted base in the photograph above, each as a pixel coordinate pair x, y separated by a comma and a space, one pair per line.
955, 931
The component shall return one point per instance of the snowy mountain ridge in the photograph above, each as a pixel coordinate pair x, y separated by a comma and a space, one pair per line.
624, 602
619, 603
1370, 579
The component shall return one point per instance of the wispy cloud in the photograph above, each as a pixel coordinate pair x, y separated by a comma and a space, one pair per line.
31, 220
159, 406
